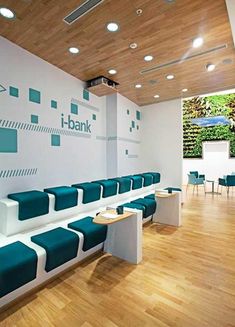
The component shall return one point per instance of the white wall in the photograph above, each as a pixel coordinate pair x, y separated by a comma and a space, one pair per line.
162, 141
215, 163
80, 156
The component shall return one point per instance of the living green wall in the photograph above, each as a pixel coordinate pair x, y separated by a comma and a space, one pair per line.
201, 107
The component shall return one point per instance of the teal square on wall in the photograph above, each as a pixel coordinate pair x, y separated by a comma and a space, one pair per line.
94, 117
8, 140
53, 104
128, 111
34, 119
74, 108
34, 96
55, 140
86, 95
13, 91
133, 124
138, 115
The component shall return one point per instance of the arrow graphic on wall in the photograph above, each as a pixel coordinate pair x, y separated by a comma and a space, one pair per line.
2, 88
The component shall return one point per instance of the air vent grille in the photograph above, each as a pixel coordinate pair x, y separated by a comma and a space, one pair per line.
178, 61
82, 10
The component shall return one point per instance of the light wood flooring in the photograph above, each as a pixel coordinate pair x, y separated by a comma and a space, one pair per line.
186, 279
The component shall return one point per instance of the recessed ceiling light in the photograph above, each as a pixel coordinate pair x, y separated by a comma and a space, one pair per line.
210, 67
185, 90
112, 71
138, 86
73, 50
197, 42
133, 45
170, 76
139, 12
156, 96
112, 27
7, 13
148, 58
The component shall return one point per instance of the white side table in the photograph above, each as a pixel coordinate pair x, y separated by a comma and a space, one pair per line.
168, 208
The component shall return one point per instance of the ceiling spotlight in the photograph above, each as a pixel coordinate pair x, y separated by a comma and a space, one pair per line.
138, 86
198, 42
7, 13
139, 12
112, 27
148, 58
170, 76
74, 50
133, 45
185, 90
112, 72
210, 67
156, 96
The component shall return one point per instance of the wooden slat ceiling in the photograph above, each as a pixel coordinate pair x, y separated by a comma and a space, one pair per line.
163, 30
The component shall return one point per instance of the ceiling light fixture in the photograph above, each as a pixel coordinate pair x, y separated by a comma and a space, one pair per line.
112, 27
133, 45
156, 96
112, 71
138, 86
7, 13
170, 76
210, 67
74, 50
198, 42
148, 58
185, 90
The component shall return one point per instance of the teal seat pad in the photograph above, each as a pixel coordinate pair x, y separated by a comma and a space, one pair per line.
31, 204
176, 189
150, 196
137, 181
18, 266
137, 206
65, 196
61, 245
149, 204
109, 187
94, 234
124, 184
156, 177
148, 179
91, 191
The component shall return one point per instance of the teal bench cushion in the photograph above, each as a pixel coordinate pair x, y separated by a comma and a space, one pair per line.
109, 187
91, 191
94, 234
137, 206
65, 196
177, 189
148, 179
156, 177
124, 184
137, 181
149, 204
61, 245
18, 266
31, 204
150, 196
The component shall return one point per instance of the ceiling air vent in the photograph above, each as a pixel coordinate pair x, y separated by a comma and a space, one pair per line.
82, 10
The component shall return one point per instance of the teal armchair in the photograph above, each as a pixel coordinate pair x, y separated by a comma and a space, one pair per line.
197, 175
195, 181
228, 182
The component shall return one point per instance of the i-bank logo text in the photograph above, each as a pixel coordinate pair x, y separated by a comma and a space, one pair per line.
75, 124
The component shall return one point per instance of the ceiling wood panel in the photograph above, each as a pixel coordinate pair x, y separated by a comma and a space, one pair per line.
163, 30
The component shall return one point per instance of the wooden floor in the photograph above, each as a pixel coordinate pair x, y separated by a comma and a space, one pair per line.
186, 279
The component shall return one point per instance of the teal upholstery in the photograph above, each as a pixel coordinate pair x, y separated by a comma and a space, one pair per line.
109, 187
137, 181
149, 204
156, 177
61, 245
229, 181
222, 182
193, 180
65, 196
124, 184
148, 179
18, 266
91, 191
31, 204
135, 206
197, 175
177, 189
94, 234
150, 196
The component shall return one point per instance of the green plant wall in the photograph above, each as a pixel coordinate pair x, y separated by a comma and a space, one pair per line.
200, 107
